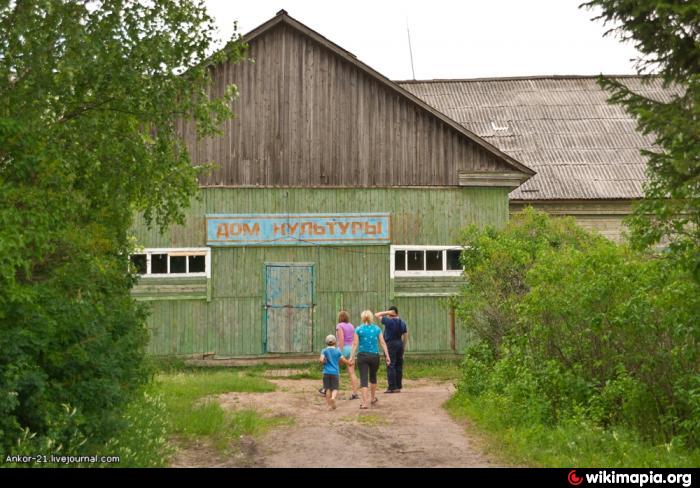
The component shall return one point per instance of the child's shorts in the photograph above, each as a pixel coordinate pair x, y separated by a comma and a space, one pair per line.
331, 382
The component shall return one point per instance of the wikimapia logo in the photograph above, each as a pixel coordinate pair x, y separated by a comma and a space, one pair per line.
627, 478
573, 479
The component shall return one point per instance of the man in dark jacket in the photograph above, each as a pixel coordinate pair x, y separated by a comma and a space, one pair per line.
395, 336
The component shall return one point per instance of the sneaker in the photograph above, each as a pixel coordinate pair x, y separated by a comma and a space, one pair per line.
322, 391
391, 391
354, 396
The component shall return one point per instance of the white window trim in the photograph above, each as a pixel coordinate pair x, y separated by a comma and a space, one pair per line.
444, 272
206, 251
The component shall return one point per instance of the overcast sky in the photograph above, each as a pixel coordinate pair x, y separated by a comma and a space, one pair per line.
451, 39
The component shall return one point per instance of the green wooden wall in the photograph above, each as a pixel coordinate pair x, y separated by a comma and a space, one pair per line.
351, 277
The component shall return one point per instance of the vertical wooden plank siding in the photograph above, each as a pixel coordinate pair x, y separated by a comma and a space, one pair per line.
307, 117
356, 276
606, 217
177, 326
190, 234
428, 323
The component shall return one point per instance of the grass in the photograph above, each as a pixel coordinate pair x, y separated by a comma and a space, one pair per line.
364, 418
414, 368
193, 412
370, 420
439, 369
567, 445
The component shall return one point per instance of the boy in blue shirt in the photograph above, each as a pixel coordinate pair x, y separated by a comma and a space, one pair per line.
330, 357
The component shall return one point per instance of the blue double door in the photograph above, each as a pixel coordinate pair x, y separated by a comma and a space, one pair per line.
289, 307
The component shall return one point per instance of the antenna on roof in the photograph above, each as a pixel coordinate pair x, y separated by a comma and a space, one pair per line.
410, 51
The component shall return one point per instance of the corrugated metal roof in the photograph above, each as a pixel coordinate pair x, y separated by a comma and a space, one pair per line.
562, 127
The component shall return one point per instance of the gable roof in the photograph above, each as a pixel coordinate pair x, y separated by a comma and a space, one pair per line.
283, 17
561, 126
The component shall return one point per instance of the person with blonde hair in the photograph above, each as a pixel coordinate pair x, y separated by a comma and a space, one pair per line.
365, 351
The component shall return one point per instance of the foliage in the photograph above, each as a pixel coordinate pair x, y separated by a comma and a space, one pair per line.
193, 411
143, 442
622, 332
497, 263
667, 34
574, 442
61, 437
90, 98
602, 336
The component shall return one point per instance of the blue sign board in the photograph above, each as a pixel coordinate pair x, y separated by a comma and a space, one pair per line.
298, 229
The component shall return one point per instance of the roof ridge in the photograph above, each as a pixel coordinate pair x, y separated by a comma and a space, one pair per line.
517, 78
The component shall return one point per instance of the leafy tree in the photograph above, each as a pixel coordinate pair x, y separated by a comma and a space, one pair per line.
91, 93
667, 34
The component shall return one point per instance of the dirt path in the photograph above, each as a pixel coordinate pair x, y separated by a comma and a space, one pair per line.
409, 429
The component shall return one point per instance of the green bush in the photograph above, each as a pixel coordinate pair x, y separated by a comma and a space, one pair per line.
628, 325
143, 442
477, 367
61, 437
572, 327
496, 266
72, 339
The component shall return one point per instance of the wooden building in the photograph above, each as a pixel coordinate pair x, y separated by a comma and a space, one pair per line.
335, 188
585, 151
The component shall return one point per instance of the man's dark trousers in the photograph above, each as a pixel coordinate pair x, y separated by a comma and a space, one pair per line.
394, 372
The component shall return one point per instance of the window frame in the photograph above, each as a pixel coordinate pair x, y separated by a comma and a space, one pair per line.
181, 251
424, 273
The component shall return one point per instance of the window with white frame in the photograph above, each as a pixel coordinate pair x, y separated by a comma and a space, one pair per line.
425, 261
173, 262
